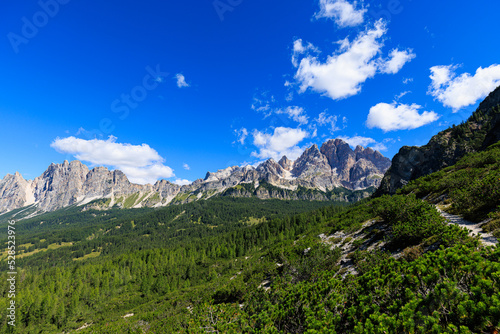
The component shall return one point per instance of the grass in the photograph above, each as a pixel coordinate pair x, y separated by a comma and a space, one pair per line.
154, 199
143, 197
50, 247
255, 221
131, 200
87, 256
183, 197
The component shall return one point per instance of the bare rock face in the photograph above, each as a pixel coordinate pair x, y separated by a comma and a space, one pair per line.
340, 157
335, 165
375, 157
15, 192
311, 163
166, 189
286, 163
101, 182
66, 184
60, 185
270, 169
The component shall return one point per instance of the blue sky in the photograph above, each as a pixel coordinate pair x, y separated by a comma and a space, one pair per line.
173, 89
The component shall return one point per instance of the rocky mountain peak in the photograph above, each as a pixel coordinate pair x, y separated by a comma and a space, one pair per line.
286, 163
358, 149
340, 157
375, 157
72, 183
271, 167
311, 162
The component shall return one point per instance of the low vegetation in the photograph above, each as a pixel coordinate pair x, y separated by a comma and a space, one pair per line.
228, 265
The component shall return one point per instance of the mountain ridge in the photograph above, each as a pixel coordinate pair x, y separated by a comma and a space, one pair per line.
333, 166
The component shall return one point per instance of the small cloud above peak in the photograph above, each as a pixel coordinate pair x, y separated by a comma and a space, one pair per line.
182, 182
181, 81
283, 141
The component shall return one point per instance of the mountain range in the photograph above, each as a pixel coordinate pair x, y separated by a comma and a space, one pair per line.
332, 172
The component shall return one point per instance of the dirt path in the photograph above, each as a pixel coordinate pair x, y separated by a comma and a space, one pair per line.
475, 229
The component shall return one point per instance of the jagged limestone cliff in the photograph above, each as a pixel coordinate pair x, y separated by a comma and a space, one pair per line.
316, 175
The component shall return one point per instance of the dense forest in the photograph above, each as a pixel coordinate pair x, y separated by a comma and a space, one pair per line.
386, 265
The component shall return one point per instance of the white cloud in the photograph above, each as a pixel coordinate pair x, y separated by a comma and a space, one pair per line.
263, 103
357, 140
182, 182
342, 12
365, 142
391, 117
148, 174
140, 163
441, 75
186, 166
344, 72
298, 49
80, 131
464, 90
242, 135
181, 81
379, 147
283, 141
407, 80
297, 114
401, 95
397, 60
324, 119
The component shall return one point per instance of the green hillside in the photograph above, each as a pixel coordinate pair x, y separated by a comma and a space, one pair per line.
227, 265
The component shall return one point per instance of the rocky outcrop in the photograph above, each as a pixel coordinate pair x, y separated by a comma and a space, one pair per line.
286, 163
481, 130
15, 192
341, 157
60, 185
66, 184
375, 157
310, 164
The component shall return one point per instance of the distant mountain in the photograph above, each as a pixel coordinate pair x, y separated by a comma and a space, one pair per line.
334, 172
481, 130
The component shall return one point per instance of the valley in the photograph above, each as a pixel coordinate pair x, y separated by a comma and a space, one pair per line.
244, 262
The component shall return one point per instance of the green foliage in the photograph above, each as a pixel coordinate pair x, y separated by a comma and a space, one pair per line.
472, 185
446, 291
201, 268
412, 219
153, 254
